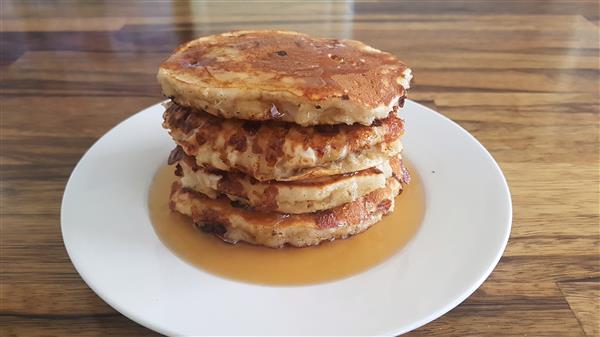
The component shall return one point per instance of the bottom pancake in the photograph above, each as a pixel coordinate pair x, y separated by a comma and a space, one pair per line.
233, 223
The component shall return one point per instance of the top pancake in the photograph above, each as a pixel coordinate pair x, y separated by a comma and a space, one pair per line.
283, 75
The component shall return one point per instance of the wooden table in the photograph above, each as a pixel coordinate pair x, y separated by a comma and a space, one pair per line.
521, 76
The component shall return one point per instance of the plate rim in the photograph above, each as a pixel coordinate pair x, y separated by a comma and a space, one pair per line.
401, 330
508, 228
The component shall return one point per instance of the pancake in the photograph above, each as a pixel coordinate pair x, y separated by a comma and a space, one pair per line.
286, 76
296, 197
271, 229
282, 151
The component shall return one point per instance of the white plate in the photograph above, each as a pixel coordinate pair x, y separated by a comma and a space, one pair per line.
108, 235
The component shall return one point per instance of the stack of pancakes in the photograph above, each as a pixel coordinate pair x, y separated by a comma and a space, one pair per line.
284, 139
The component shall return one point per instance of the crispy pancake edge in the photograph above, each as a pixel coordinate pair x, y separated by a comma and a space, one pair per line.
281, 151
296, 197
277, 229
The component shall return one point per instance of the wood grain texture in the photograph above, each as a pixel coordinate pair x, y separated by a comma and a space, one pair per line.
521, 76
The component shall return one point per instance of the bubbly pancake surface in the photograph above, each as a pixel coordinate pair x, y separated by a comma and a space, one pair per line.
282, 151
283, 75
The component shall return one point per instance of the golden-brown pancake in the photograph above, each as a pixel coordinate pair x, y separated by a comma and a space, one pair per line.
286, 76
272, 229
295, 197
282, 151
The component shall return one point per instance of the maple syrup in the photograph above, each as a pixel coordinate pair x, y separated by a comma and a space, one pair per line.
285, 266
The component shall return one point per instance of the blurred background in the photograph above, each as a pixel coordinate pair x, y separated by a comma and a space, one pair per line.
86, 51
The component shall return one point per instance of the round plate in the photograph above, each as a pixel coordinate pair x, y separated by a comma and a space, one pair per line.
111, 242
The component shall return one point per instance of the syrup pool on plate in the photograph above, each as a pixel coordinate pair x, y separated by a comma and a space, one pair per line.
285, 266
